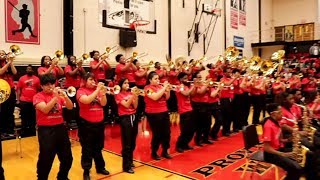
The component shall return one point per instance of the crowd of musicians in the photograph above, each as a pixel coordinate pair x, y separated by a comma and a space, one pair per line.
226, 95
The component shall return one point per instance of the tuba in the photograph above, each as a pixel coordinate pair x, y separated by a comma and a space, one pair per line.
231, 53
5, 91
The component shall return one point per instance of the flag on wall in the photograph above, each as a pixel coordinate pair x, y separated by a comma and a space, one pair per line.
234, 14
242, 12
22, 21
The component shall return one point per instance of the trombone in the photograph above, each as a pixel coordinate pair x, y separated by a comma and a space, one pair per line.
135, 55
149, 65
83, 58
110, 50
15, 51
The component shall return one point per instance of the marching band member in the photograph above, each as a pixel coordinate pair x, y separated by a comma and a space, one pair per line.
73, 72
52, 134
256, 91
99, 66
49, 65
28, 86
214, 101
127, 104
162, 73
278, 86
187, 118
308, 84
226, 100
125, 69
91, 100
172, 101
272, 144
156, 97
294, 81
201, 108
141, 78
238, 102
7, 71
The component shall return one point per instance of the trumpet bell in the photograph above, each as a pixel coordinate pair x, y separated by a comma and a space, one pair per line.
59, 54
116, 89
5, 91
85, 56
15, 49
71, 91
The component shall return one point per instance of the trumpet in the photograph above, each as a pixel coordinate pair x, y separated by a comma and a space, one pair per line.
70, 91
110, 50
111, 90
59, 55
137, 91
149, 65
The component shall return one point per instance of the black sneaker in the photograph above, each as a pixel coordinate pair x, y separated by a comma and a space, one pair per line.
103, 171
155, 156
180, 150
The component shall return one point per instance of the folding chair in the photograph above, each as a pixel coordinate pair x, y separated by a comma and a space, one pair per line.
251, 139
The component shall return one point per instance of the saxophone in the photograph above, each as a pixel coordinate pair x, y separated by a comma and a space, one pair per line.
306, 126
299, 150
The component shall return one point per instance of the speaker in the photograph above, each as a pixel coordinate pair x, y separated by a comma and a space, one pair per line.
128, 38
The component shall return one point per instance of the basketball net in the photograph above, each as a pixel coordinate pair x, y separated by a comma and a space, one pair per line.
139, 26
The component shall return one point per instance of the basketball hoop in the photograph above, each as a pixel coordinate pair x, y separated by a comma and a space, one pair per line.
138, 24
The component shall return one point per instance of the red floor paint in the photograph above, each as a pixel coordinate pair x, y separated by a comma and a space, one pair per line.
222, 160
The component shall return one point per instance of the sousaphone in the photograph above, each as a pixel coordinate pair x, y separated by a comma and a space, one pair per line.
5, 91
231, 53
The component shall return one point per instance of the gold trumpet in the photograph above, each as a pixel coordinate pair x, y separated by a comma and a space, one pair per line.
70, 91
149, 65
137, 91
111, 90
59, 55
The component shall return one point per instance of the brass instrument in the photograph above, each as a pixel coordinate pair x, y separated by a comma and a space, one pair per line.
110, 50
5, 91
149, 65
177, 87
299, 151
179, 61
15, 50
231, 53
111, 90
59, 55
137, 91
306, 126
135, 55
70, 91
83, 58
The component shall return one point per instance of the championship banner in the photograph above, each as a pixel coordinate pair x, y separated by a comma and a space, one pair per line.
234, 14
22, 21
242, 13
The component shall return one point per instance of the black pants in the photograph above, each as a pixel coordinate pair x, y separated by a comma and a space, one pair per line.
129, 131
172, 102
28, 118
53, 140
141, 105
203, 122
241, 106
218, 119
92, 141
257, 103
1, 168
294, 170
161, 133
72, 116
6, 113
186, 129
227, 114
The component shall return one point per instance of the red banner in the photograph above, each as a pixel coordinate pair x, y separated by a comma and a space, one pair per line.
234, 14
22, 21
242, 13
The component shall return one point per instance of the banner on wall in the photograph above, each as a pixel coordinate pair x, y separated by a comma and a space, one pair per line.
242, 12
22, 21
234, 14
238, 41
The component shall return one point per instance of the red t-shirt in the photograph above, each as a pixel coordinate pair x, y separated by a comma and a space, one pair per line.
294, 83
236, 85
129, 74
99, 72
29, 86
272, 134
316, 111
308, 86
54, 71
152, 106
255, 91
6, 76
164, 77
92, 112
226, 92
184, 104
200, 97
140, 81
277, 91
75, 80
173, 77
289, 118
212, 99
54, 117
121, 109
